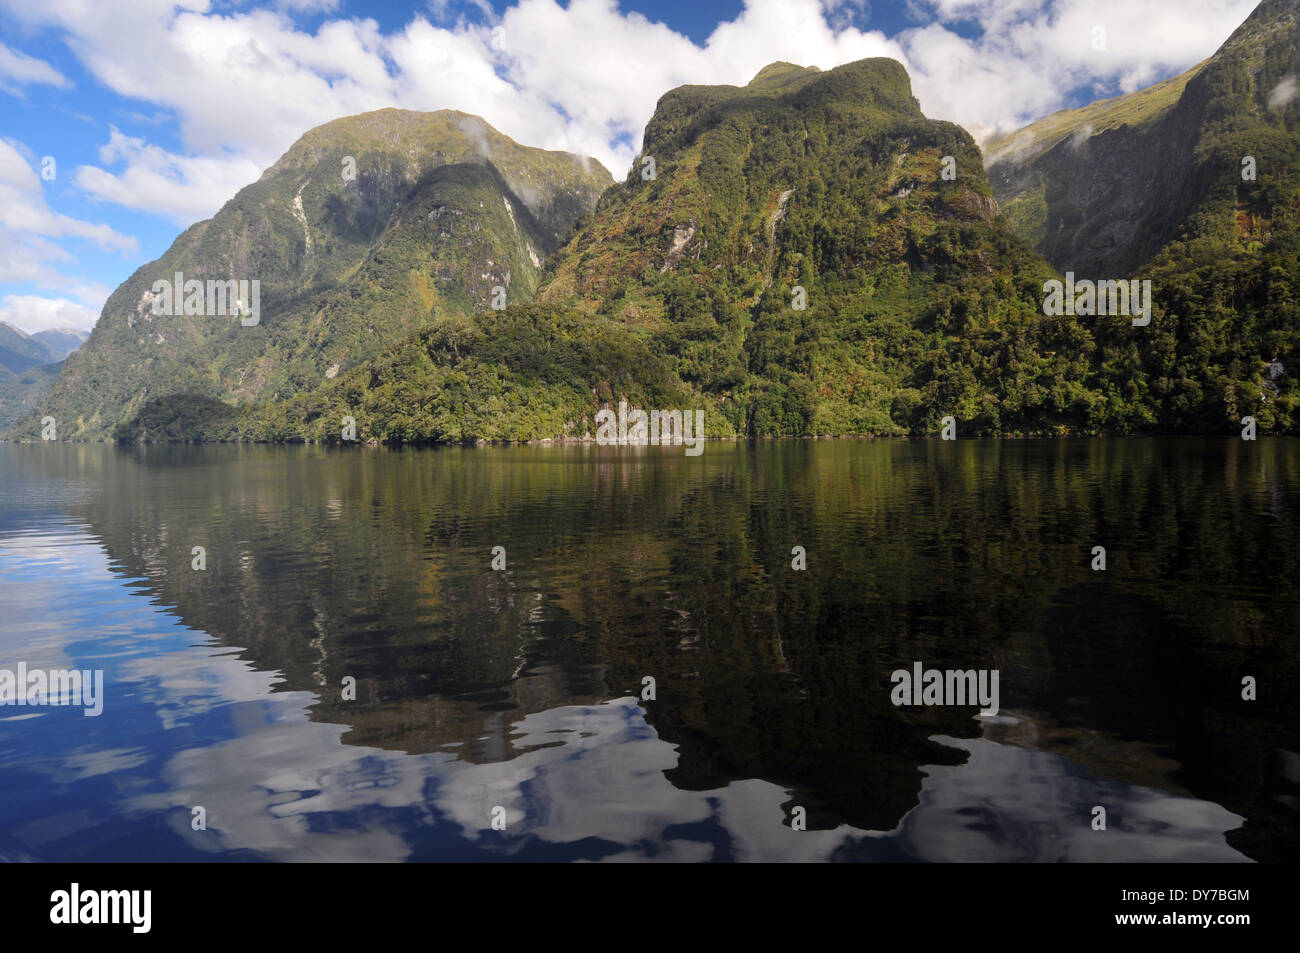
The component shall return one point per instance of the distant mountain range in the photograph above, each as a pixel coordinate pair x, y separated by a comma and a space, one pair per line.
20, 350
29, 363
805, 255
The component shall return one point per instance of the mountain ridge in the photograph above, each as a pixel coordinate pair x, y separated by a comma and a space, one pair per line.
362, 232
1194, 185
805, 255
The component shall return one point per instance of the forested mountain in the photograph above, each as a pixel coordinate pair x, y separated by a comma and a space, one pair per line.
29, 364
808, 254
1195, 185
364, 232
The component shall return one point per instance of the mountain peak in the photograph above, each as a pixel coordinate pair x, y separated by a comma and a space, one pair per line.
448, 133
780, 73
368, 229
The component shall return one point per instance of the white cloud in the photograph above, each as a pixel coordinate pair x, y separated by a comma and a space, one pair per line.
30, 259
1282, 93
18, 69
584, 78
180, 188
30, 252
33, 313
23, 208
1031, 55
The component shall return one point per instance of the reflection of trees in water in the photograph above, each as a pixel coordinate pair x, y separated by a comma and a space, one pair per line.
626, 562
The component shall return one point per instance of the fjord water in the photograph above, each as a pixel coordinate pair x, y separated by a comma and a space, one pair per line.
522, 689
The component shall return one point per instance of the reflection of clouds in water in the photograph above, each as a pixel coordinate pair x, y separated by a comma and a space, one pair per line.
611, 785
89, 763
289, 788
260, 794
606, 782
1006, 803
37, 568
265, 791
189, 686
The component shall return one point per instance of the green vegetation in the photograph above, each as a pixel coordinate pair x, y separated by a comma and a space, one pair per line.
920, 300
29, 364
441, 209
923, 299
1151, 186
513, 375
20, 392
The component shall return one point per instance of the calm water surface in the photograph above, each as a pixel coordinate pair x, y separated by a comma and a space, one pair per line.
522, 689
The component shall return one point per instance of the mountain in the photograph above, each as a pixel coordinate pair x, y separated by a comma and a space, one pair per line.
1194, 184
21, 391
60, 342
680, 290
363, 232
29, 364
20, 350
920, 300
806, 255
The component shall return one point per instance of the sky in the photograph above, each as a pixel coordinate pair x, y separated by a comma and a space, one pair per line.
123, 122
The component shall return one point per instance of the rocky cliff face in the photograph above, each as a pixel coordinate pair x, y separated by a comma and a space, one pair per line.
1102, 189
1195, 185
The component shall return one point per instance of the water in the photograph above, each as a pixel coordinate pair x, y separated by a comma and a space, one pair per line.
522, 689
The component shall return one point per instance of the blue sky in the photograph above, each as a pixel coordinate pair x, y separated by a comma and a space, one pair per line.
154, 113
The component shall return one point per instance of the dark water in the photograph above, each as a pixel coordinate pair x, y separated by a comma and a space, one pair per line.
521, 689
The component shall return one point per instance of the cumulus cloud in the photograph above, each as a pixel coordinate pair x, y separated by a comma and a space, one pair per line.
23, 208
583, 77
180, 188
31, 253
1032, 57
35, 313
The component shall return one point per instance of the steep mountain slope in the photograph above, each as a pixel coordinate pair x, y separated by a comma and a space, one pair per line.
684, 289
359, 235
680, 291
1103, 188
920, 301
21, 392
805, 255
1087, 187
1195, 184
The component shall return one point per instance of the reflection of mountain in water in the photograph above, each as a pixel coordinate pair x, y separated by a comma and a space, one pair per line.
772, 685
